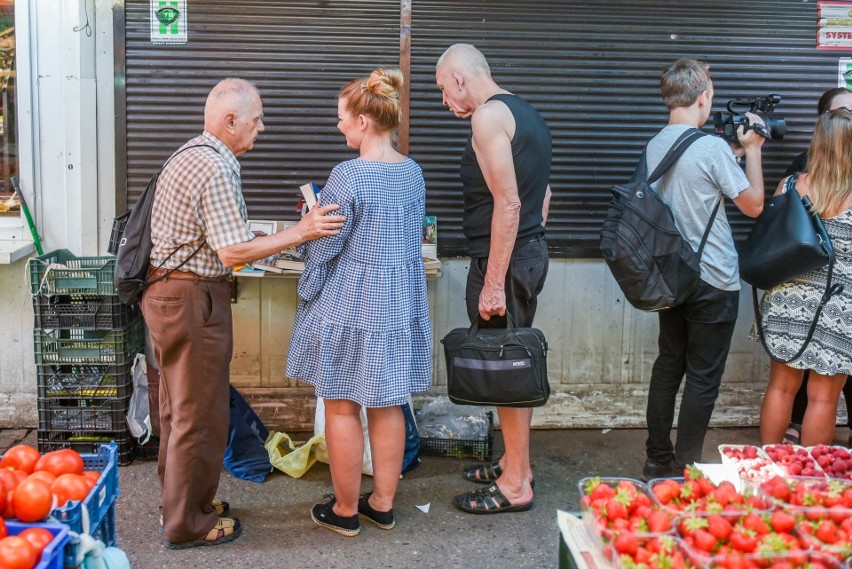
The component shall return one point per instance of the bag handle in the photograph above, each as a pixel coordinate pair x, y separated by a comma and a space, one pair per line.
203, 241
474, 326
830, 289
678, 148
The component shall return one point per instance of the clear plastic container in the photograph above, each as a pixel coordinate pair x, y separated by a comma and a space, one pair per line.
841, 550
668, 552
751, 462
793, 460
836, 461
746, 500
808, 497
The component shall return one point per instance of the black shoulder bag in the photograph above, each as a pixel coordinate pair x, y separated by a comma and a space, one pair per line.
787, 240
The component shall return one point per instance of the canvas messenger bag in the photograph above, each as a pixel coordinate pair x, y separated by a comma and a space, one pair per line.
497, 366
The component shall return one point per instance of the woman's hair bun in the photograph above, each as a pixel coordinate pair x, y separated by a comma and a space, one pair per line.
385, 83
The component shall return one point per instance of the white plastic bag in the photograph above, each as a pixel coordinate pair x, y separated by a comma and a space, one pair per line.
322, 450
139, 412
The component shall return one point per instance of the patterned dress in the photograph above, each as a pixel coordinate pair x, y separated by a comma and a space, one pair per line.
362, 330
788, 310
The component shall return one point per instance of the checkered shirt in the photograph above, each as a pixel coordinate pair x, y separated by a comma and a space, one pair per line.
199, 196
362, 330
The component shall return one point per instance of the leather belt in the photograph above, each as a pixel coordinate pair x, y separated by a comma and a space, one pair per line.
154, 273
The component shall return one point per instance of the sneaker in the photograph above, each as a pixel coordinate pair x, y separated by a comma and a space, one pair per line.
323, 515
654, 469
383, 520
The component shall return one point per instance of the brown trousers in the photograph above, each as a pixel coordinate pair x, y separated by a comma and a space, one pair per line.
192, 334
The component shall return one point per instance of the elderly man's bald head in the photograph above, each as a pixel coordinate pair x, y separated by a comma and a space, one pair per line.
465, 59
230, 95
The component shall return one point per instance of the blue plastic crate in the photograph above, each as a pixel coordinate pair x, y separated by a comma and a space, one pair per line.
52, 556
104, 531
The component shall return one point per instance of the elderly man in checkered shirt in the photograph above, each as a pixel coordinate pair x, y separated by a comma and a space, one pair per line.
199, 223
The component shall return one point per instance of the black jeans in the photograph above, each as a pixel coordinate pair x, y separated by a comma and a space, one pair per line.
694, 340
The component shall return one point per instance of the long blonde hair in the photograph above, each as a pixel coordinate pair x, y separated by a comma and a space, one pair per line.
830, 162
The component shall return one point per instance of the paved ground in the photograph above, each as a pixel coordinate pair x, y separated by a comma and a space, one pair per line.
279, 533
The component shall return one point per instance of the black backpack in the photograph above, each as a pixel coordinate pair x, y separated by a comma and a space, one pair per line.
653, 264
131, 243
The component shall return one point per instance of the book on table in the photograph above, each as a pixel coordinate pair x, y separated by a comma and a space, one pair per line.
247, 271
310, 193
290, 260
269, 264
429, 243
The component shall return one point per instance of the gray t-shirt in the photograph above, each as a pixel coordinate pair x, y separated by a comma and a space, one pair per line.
691, 189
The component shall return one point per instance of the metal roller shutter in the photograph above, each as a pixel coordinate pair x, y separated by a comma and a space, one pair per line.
592, 69
299, 54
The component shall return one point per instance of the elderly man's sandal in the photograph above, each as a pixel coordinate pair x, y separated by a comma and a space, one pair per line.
225, 530
220, 506
488, 500
483, 473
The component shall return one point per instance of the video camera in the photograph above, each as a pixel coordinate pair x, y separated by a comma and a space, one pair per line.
725, 124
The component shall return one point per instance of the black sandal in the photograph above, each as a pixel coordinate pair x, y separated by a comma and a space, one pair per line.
483, 473
488, 500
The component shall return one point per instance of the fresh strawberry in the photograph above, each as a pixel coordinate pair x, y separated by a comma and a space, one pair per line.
719, 527
782, 522
704, 541
659, 522
626, 544
743, 540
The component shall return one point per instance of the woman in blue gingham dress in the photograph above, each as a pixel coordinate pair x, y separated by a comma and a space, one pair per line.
362, 335
362, 328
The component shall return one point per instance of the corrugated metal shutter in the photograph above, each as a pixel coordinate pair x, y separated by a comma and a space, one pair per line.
298, 53
592, 69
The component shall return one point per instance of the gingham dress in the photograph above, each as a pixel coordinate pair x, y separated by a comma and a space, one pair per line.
362, 328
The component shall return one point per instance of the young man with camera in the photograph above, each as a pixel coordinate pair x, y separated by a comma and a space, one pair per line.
695, 337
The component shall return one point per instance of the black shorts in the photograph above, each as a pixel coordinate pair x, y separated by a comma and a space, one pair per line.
524, 281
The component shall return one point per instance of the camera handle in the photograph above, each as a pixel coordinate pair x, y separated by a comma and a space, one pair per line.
758, 128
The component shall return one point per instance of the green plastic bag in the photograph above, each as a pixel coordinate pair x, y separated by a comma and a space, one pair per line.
290, 460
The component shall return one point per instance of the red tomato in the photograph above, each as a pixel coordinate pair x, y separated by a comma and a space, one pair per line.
59, 462
20, 457
92, 476
3, 531
8, 478
8, 511
70, 487
17, 553
32, 500
43, 475
39, 538
19, 475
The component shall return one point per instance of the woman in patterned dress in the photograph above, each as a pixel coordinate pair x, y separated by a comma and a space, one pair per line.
788, 309
362, 335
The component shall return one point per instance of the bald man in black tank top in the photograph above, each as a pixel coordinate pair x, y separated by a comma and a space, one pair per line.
505, 172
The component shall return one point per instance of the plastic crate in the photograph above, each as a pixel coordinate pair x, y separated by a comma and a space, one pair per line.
80, 380
52, 555
104, 531
83, 414
67, 311
77, 346
88, 442
477, 449
61, 272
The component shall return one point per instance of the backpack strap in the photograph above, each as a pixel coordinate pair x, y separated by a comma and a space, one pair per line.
203, 241
679, 147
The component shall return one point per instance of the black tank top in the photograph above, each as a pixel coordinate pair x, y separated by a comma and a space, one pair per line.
531, 155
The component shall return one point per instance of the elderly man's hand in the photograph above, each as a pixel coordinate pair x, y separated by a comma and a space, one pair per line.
317, 222
492, 302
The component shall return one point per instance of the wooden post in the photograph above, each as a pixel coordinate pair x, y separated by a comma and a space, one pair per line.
405, 68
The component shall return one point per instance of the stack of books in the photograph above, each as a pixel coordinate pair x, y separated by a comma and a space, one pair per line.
429, 246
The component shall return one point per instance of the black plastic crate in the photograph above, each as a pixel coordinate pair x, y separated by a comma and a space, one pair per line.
75, 414
81, 380
477, 449
89, 443
78, 346
73, 311
62, 272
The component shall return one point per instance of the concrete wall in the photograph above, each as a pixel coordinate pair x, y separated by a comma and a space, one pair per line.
599, 364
